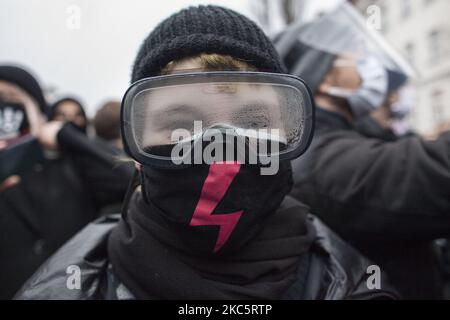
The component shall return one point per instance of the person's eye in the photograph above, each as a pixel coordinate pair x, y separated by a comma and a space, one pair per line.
253, 116
252, 121
260, 122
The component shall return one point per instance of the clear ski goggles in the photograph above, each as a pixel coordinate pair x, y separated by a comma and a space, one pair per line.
266, 115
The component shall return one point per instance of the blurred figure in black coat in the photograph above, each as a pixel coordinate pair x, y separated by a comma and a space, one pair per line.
51, 193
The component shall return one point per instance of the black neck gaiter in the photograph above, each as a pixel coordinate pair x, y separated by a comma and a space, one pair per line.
210, 232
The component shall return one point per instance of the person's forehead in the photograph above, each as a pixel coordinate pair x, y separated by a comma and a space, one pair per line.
9, 87
209, 96
13, 92
68, 106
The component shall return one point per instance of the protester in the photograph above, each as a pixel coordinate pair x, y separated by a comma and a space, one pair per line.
47, 204
258, 244
389, 199
107, 127
69, 110
50, 176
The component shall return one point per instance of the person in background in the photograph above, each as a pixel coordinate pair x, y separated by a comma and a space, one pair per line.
107, 124
98, 161
220, 230
43, 202
389, 199
107, 128
54, 179
69, 110
389, 122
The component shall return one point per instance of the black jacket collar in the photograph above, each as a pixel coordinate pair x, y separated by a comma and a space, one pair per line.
327, 121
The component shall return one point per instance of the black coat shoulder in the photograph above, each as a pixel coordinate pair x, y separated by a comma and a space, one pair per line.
336, 272
343, 271
86, 251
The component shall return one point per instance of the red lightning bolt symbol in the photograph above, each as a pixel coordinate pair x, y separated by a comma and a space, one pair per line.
216, 185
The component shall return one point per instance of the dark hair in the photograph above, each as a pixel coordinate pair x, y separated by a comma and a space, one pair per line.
107, 121
27, 82
54, 107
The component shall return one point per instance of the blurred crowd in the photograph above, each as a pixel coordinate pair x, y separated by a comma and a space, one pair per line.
375, 189
59, 172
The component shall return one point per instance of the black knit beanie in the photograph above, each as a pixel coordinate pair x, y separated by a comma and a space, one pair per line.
26, 82
205, 29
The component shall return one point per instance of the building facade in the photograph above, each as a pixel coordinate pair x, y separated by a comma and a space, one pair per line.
420, 30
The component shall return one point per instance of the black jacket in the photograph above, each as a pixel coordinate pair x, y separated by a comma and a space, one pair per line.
336, 271
37, 217
100, 166
389, 199
52, 203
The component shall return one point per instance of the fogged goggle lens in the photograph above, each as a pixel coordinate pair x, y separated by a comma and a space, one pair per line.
261, 114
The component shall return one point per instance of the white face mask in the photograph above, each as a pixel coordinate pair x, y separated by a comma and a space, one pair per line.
372, 92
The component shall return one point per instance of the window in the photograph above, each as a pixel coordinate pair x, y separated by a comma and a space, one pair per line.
406, 9
384, 18
435, 46
437, 107
410, 52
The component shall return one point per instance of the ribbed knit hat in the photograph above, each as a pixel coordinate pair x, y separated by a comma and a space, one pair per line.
205, 29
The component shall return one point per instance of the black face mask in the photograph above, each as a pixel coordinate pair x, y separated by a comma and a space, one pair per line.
13, 121
370, 128
82, 129
212, 209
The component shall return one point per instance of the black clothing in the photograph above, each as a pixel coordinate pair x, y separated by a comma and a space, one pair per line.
213, 209
370, 128
52, 203
389, 199
98, 164
331, 270
36, 217
205, 29
166, 269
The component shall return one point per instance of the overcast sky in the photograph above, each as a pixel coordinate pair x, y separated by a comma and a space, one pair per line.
94, 61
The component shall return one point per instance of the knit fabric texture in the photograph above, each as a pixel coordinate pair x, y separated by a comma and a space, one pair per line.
205, 29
